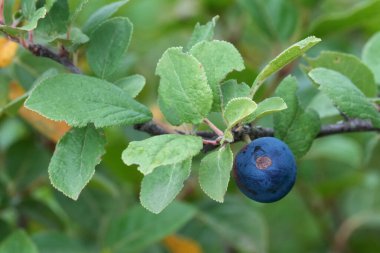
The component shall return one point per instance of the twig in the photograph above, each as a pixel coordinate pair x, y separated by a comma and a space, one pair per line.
42, 51
213, 127
353, 125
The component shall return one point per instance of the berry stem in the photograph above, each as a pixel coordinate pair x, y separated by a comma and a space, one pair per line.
246, 138
211, 142
213, 127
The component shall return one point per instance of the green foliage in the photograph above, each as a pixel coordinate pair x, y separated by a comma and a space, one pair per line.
218, 59
345, 95
133, 84
183, 86
161, 150
296, 126
101, 15
29, 26
108, 42
95, 101
231, 89
214, 172
371, 52
160, 187
236, 111
74, 160
284, 58
201, 110
139, 228
351, 67
18, 241
202, 33
267, 106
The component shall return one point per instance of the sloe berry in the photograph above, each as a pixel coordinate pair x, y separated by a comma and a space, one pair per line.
265, 169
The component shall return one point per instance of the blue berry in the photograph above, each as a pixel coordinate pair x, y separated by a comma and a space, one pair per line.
265, 170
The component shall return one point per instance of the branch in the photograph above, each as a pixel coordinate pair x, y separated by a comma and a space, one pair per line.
353, 125
42, 51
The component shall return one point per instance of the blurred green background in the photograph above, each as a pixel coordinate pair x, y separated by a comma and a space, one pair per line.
334, 206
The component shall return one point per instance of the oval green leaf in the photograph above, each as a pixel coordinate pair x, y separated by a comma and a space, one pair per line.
214, 172
160, 187
238, 109
345, 95
108, 43
183, 86
218, 59
371, 55
350, 66
94, 101
74, 160
161, 150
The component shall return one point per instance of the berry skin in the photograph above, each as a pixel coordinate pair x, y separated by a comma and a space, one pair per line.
265, 170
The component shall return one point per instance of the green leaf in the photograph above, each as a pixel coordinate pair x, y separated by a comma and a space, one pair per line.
371, 55
302, 132
71, 42
238, 109
131, 84
28, 26
101, 15
214, 172
345, 95
296, 127
202, 33
74, 160
56, 21
349, 19
8, 11
160, 187
267, 106
28, 8
218, 59
183, 86
169, 112
57, 242
161, 150
108, 43
78, 9
323, 105
239, 224
276, 19
18, 242
138, 228
283, 59
231, 89
350, 66
94, 101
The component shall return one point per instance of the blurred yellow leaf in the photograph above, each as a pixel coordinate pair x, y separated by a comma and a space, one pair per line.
53, 130
8, 50
178, 244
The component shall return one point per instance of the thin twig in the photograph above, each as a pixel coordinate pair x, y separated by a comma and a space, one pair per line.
353, 125
42, 51
213, 127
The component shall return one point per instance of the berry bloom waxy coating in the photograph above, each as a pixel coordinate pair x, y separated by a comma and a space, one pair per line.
265, 170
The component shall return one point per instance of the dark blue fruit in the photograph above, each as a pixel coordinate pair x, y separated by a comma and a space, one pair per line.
265, 170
